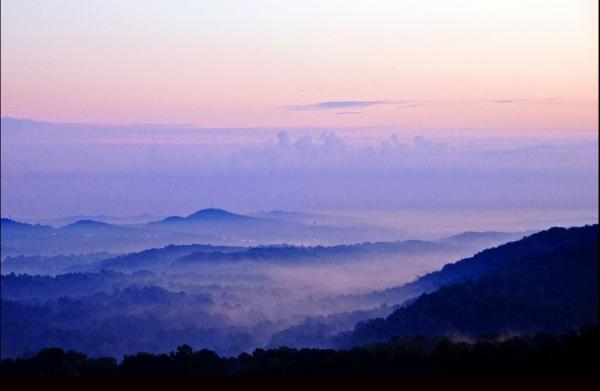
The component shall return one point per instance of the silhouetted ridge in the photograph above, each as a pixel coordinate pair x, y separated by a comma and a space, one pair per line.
574, 353
172, 219
14, 223
215, 214
488, 260
547, 281
13, 231
89, 223
210, 214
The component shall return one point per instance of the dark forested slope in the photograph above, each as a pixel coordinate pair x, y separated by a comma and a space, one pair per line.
548, 281
489, 261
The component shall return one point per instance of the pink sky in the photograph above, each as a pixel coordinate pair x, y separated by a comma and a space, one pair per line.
490, 64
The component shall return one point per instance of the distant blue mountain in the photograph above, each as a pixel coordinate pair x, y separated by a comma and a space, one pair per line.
13, 224
92, 227
62, 221
86, 236
210, 215
172, 258
169, 219
15, 235
209, 226
88, 223
216, 214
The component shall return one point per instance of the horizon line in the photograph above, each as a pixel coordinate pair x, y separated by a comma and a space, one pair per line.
283, 127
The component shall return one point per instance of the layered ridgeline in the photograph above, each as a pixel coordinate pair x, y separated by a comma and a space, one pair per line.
226, 298
214, 226
545, 282
179, 257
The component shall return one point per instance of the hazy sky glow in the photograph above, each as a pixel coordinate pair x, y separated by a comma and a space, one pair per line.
165, 107
473, 64
51, 170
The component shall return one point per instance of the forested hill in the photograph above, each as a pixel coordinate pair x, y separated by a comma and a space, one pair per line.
552, 285
491, 260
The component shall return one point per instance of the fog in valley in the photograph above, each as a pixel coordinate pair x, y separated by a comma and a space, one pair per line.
119, 239
227, 297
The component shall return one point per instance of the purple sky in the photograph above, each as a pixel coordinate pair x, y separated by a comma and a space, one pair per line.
52, 170
310, 105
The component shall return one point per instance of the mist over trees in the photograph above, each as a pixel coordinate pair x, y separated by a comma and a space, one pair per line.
233, 300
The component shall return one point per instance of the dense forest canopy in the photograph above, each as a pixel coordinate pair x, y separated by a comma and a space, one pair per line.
573, 353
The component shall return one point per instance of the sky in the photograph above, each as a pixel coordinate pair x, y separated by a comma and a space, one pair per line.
129, 107
52, 169
507, 64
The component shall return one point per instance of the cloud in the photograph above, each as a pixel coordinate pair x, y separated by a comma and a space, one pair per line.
330, 152
550, 100
297, 169
408, 104
354, 104
536, 101
342, 104
506, 101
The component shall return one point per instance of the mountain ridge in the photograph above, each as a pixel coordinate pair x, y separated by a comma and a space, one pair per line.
516, 293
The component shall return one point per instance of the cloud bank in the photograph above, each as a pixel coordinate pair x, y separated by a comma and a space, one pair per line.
55, 170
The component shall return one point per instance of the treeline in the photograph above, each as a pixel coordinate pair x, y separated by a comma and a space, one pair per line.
573, 353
